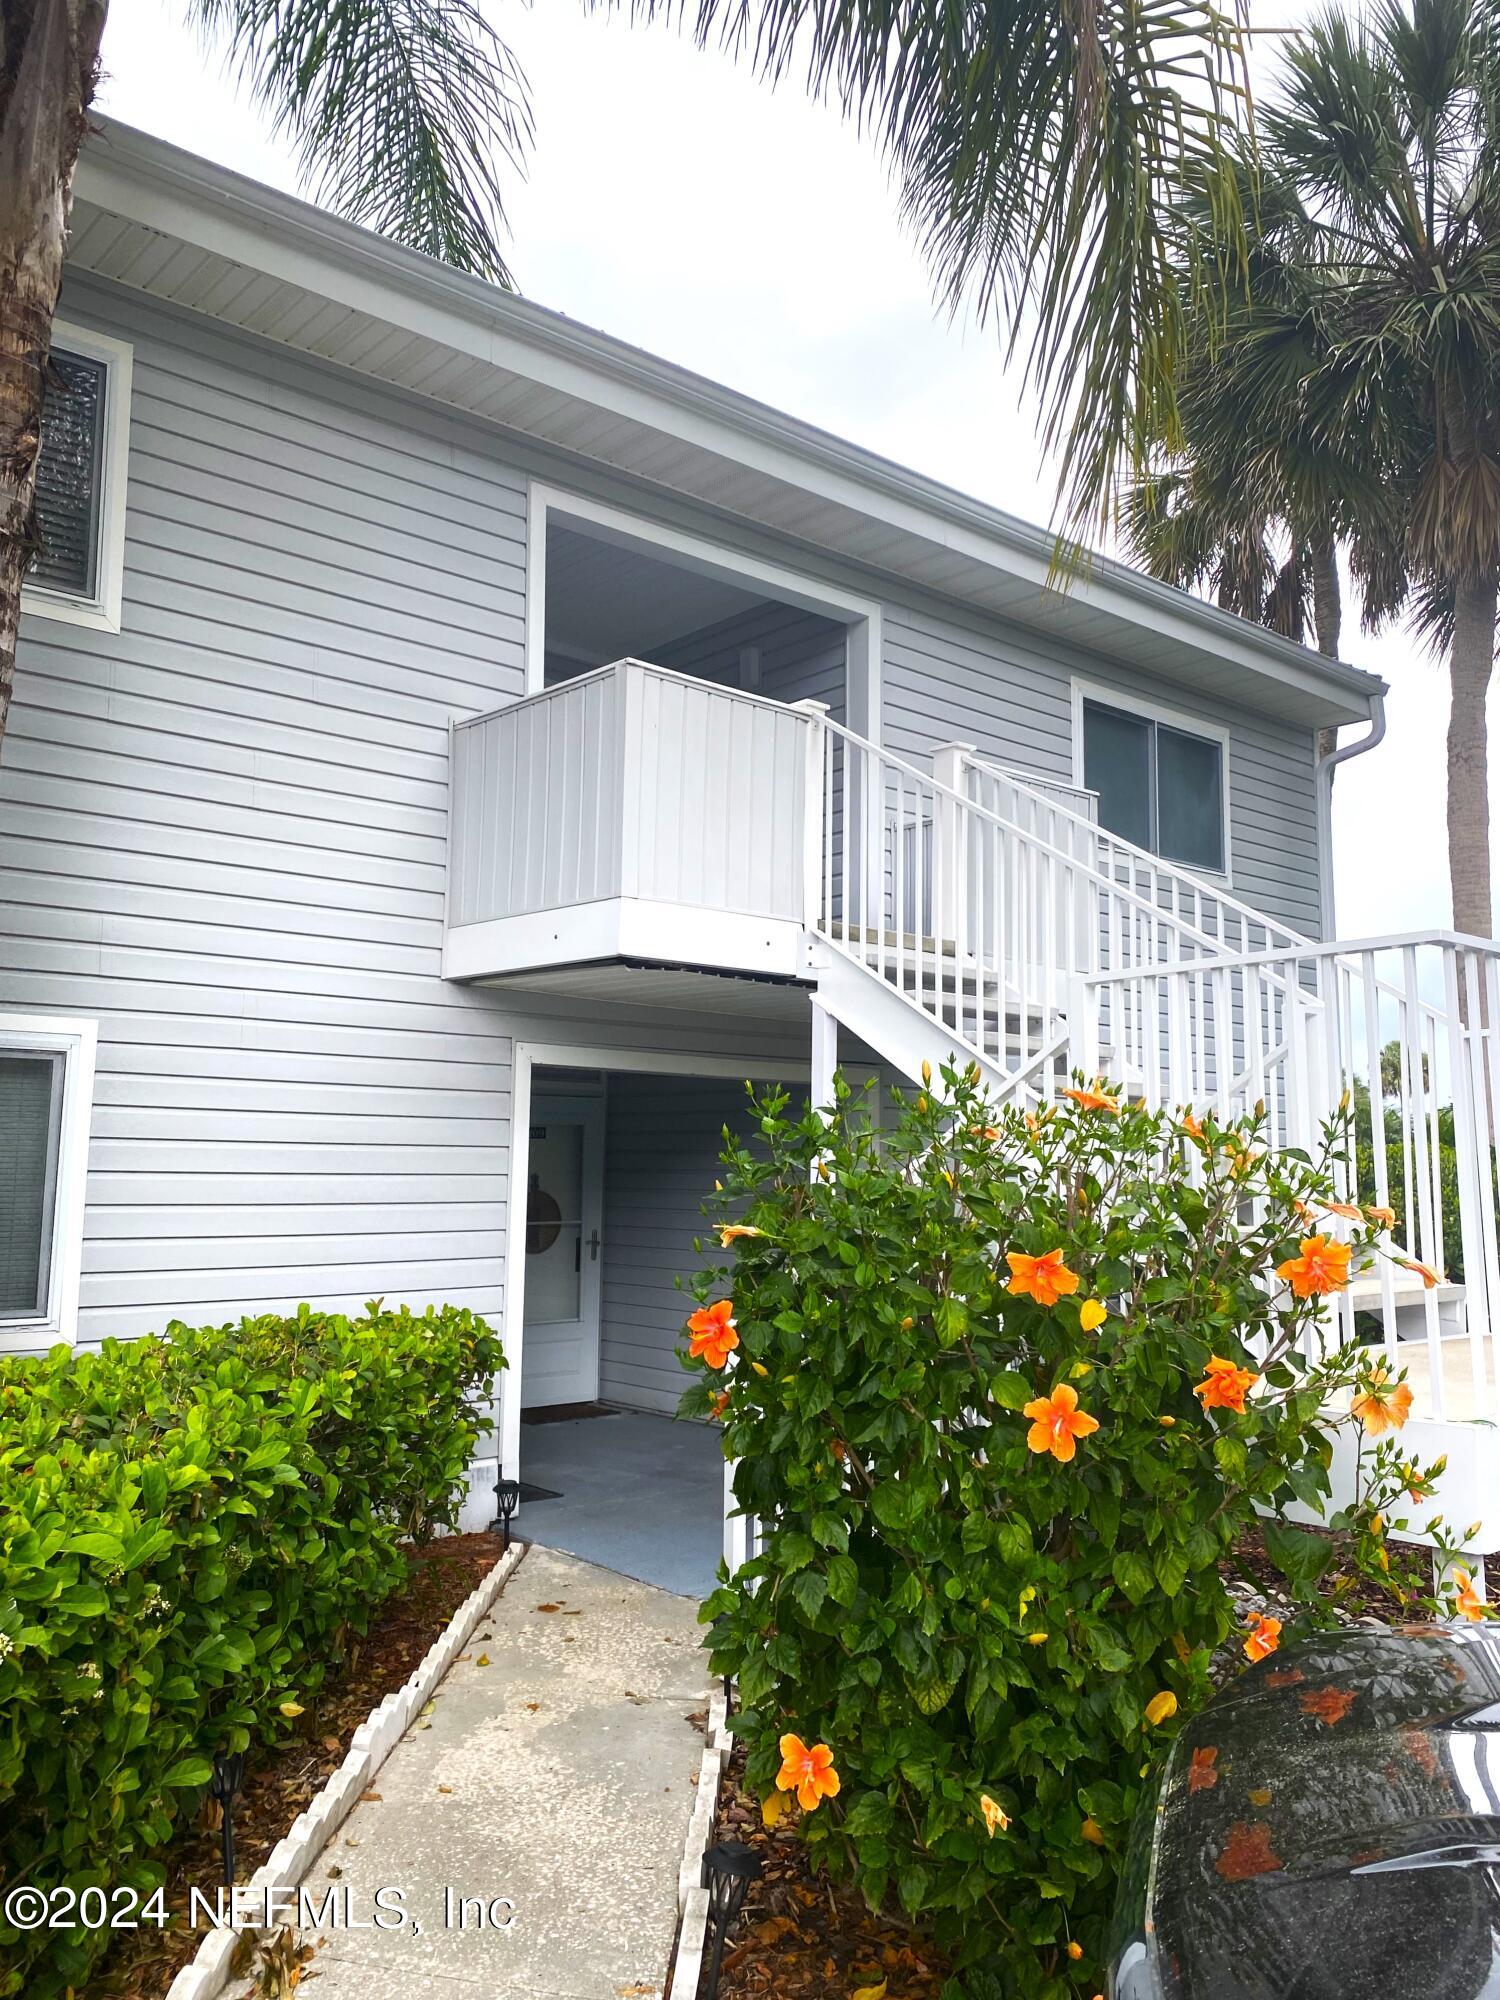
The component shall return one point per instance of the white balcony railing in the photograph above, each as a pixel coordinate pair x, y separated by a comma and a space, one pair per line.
622, 812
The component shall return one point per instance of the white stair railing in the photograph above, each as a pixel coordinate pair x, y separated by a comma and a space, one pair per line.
1133, 883
1408, 1025
975, 919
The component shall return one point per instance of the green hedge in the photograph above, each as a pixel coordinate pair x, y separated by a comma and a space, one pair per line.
191, 1528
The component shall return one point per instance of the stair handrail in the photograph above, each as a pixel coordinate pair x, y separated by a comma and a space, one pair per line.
1171, 872
1084, 869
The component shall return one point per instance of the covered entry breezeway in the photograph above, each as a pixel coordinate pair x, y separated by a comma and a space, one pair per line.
621, 1149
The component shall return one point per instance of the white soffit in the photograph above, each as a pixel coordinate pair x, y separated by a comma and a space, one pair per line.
160, 220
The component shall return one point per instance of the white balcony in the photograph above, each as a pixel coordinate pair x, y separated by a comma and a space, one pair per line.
630, 814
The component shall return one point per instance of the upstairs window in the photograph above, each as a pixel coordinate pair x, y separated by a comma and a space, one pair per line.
46, 1089
80, 482
1159, 785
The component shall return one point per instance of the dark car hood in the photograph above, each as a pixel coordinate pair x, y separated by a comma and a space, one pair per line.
1328, 1828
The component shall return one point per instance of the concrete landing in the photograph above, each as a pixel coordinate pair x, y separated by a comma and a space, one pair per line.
559, 1777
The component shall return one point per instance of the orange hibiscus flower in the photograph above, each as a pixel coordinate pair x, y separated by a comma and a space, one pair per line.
1224, 1385
1056, 1421
733, 1231
1321, 1266
1093, 1099
1191, 1125
713, 1333
1264, 1638
996, 1819
1346, 1209
1383, 1218
1467, 1601
1380, 1406
808, 1773
1425, 1272
1045, 1279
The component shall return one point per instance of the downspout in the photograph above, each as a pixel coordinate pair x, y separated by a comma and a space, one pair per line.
1326, 767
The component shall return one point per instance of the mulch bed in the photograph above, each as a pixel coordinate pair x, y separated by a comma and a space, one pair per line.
279, 1784
1359, 1596
801, 1937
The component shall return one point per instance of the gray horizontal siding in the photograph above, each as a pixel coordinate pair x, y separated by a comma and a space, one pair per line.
223, 833
662, 1144
802, 657
944, 681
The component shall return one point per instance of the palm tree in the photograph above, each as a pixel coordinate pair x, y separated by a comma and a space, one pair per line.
1390, 128
400, 109
1041, 153
1366, 350
1258, 499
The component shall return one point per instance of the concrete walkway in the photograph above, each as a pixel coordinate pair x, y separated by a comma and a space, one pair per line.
556, 1772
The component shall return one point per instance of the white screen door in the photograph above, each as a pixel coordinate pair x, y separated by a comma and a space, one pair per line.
564, 1215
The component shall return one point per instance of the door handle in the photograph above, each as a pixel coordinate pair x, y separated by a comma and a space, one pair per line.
593, 1246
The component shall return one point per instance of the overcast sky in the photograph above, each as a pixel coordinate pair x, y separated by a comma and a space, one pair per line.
675, 202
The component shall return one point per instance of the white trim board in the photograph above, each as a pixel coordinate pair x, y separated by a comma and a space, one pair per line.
1187, 724
77, 1040
860, 615
103, 611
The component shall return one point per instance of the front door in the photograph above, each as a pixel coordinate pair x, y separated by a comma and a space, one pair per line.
564, 1216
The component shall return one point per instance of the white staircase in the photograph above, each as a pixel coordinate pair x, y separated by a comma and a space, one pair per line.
954, 913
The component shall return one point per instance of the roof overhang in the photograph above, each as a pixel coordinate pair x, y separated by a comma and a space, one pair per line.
167, 223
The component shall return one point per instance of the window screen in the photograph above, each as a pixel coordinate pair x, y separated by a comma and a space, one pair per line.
1160, 787
69, 478
30, 1121
1190, 799
1117, 765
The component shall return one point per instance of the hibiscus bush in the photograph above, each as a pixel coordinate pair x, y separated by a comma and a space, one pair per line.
1004, 1392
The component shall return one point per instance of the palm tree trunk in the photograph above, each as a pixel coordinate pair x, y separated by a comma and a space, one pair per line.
1328, 616
1469, 665
49, 64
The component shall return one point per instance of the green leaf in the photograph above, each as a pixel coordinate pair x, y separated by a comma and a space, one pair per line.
1010, 1390
1301, 1557
187, 1773
1133, 1574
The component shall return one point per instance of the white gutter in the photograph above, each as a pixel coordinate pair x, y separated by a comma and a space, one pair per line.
1324, 780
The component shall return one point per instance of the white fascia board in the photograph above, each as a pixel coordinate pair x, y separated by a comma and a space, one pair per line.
626, 927
194, 201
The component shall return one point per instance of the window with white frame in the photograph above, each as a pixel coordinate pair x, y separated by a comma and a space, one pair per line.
46, 1091
78, 571
1160, 784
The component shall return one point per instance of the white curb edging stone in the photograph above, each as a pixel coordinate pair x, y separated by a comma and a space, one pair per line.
207, 1973
692, 1897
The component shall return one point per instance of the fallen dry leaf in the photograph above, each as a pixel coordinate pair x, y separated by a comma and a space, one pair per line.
372, 1798
483, 1660
445, 1788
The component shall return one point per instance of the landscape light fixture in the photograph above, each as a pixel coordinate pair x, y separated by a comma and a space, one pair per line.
223, 1786
507, 1499
728, 1871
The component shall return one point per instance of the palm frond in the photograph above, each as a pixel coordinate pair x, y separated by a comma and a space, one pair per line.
400, 110
1042, 155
